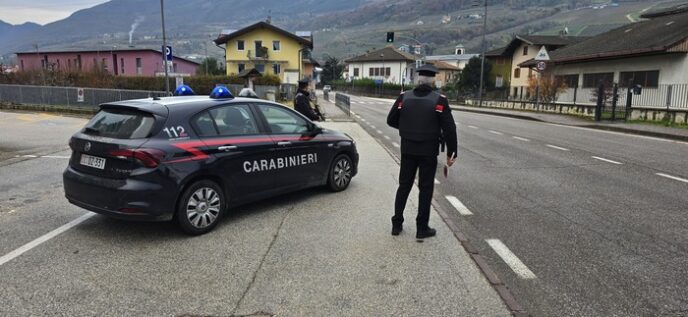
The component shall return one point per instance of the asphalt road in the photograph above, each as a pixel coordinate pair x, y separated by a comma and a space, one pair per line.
578, 222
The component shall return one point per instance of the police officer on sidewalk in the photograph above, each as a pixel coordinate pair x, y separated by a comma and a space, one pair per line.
424, 120
302, 101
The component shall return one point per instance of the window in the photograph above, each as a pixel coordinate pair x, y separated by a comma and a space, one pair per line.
525, 50
388, 71
571, 81
69, 64
121, 63
276, 69
500, 60
643, 78
259, 48
230, 120
203, 125
276, 46
355, 72
371, 71
260, 68
78, 62
594, 80
241, 67
104, 61
517, 73
283, 121
120, 124
22, 65
139, 67
499, 81
174, 67
376, 71
240, 45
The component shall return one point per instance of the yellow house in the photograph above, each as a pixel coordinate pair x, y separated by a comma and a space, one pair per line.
268, 49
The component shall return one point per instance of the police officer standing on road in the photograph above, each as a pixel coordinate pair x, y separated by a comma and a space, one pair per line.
423, 118
302, 102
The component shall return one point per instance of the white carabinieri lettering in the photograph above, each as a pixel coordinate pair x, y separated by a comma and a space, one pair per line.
279, 163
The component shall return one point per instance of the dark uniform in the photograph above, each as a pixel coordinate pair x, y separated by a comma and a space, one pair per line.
423, 117
302, 102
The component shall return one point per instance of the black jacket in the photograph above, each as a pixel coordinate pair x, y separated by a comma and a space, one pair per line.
302, 104
422, 117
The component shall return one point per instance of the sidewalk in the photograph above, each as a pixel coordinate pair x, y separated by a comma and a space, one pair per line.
620, 126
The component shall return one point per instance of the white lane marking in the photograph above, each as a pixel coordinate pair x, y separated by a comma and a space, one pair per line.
353, 113
386, 137
437, 182
520, 138
357, 116
395, 144
557, 147
364, 120
472, 126
496, 132
511, 259
55, 156
606, 160
458, 205
17, 252
379, 132
673, 177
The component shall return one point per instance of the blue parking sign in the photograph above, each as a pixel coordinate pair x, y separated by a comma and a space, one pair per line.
168, 53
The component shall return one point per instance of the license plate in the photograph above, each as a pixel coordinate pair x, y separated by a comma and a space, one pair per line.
92, 161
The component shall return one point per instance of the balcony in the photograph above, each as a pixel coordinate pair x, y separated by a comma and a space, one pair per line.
260, 54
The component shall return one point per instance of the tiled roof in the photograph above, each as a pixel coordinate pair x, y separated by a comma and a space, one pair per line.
444, 66
224, 38
389, 53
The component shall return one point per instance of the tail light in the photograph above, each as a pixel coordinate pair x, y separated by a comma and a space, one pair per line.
147, 157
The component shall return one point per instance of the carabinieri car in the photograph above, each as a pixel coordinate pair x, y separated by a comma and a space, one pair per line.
192, 158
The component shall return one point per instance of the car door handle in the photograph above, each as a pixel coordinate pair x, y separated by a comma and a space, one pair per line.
227, 148
283, 143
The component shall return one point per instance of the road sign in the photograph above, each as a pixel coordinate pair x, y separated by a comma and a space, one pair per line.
79, 95
541, 65
168, 53
542, 54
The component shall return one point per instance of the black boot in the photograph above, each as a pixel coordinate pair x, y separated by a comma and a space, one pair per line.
425, 233
396, 229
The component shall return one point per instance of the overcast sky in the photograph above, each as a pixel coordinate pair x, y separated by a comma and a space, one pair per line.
41, 11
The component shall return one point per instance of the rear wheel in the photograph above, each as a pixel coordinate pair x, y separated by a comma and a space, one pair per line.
341, 172
201, 207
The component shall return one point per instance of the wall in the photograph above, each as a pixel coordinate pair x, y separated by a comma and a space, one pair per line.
672, 67
398, 69
151, 62
518, 58
288, 56
503, 70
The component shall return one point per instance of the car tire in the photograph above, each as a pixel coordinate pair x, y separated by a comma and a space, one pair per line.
200, 208
340, 174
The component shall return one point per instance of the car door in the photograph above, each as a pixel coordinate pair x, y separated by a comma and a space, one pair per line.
239, 150
304, 155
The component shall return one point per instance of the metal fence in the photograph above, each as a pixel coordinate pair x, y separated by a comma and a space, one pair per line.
666, 96
343, 102
69, 96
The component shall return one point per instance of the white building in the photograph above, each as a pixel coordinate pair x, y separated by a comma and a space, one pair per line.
458, 59
387, 64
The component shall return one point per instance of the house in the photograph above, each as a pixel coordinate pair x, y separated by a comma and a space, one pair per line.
130, 61
458, 59
269, 49
500, 73
524, 48
388, 64
652, 53
446, 73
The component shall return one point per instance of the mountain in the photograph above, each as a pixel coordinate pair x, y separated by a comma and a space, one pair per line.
340, 28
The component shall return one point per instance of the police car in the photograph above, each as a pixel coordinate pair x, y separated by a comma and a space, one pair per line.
192, 158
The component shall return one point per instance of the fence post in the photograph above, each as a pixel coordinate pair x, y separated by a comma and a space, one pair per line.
629, 102
615, 99
575, 94
600, 101
668, 99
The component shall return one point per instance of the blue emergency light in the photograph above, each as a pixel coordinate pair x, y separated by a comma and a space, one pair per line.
183, 90
221, 92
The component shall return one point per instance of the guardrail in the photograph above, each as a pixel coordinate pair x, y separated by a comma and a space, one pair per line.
343, 102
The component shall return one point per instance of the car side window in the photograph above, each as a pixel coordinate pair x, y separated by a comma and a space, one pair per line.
203, 124
234, 120
283, 121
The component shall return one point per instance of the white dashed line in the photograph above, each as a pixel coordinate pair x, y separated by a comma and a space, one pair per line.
55, 156
520, 138
395, 144
437, 182
372, 126
364, 120
17, 252
606, 160
386, 137
557, 147
353, 113
496, 132
511, 259
472, 127
458, 205
379, 132
673, 177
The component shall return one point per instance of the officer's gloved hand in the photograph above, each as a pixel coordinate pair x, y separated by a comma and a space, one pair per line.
451, 159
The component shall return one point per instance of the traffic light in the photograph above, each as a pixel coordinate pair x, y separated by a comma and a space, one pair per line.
390, 37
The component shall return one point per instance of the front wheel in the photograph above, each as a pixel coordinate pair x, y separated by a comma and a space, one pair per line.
200, 207
341, 173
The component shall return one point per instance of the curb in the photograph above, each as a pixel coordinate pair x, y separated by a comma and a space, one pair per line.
452, 221
662, 135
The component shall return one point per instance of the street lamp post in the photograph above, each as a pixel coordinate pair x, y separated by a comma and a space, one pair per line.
164, 48
482, 60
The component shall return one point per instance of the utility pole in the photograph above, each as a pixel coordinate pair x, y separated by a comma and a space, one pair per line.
482, 60
164, 48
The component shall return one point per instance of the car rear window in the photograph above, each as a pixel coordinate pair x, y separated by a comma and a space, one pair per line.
120, 124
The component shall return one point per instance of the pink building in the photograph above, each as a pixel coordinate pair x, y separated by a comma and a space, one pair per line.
120, 62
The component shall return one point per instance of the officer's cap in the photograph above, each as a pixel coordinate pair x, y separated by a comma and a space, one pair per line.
304, 81
427, 70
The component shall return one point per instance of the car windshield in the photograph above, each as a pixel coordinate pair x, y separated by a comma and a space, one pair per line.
120, 124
